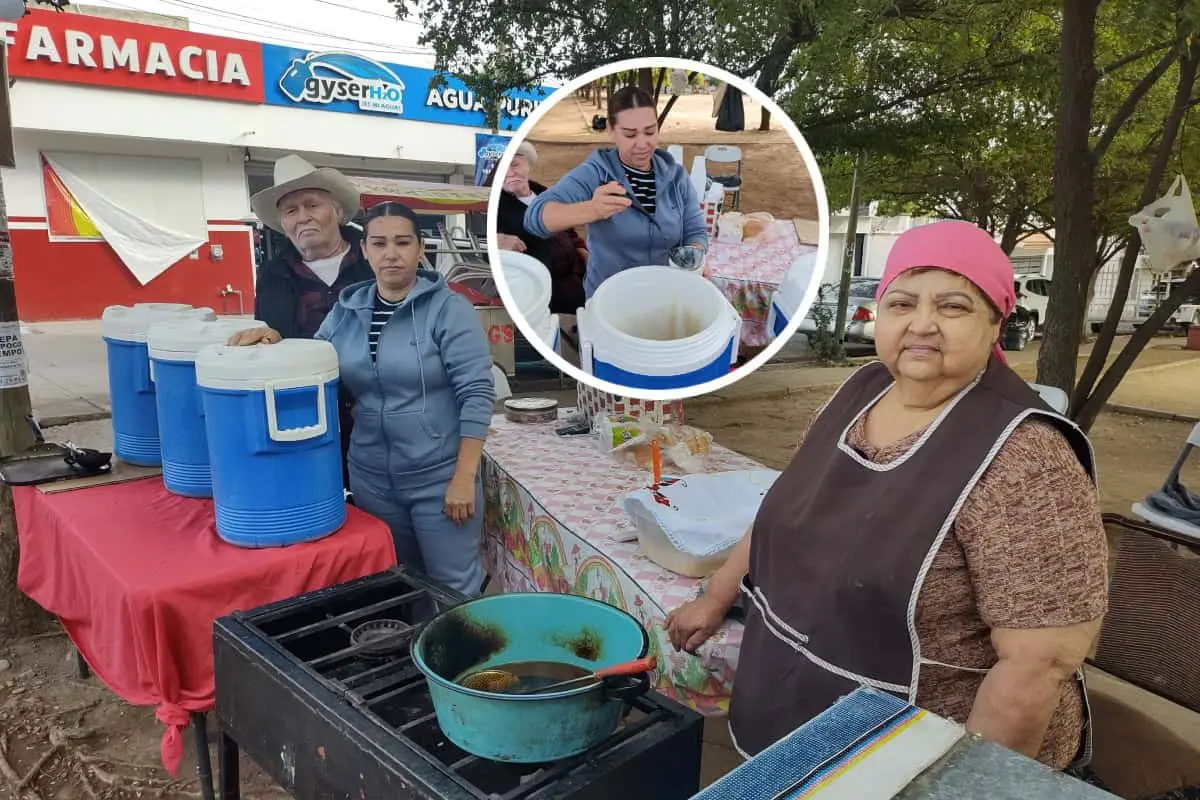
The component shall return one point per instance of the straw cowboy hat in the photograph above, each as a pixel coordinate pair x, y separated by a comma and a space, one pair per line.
294, 174
527, 150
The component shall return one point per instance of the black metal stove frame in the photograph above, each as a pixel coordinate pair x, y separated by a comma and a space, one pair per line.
374, 734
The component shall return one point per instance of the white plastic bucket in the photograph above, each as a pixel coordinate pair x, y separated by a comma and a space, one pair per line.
787, 299
658, 328
529, 282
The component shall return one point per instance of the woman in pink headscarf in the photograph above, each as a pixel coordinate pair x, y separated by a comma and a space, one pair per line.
937, 534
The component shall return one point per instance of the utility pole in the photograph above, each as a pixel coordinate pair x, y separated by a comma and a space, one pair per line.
18, 614
849, 247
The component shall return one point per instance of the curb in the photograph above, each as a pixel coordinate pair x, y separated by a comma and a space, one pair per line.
1150, 413
71, 419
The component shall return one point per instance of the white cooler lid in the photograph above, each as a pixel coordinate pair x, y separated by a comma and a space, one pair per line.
181, 339
527, 279
130, 323
294, 362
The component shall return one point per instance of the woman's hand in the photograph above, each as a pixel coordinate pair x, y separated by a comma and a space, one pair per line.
694, 623
254, 336
460, 499
506, 241
609, 200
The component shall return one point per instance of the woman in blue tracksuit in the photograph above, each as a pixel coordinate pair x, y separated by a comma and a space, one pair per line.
638, 204
414, 356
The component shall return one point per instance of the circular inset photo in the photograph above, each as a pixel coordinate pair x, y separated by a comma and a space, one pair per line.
657, 229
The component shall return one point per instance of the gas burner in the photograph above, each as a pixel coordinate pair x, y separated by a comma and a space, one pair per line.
380, 638
305, 687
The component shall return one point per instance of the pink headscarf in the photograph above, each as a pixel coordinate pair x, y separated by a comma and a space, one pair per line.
961, 248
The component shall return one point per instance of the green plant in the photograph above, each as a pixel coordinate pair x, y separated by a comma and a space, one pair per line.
826, 347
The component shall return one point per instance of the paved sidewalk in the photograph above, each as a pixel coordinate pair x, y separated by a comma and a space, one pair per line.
68, 369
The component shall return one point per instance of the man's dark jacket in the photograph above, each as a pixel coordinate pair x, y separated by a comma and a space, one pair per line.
277, 303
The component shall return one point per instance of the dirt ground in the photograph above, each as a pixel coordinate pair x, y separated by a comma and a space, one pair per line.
775, 177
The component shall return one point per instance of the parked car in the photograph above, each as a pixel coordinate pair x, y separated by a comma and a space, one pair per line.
1033, 293
1019, 329
1185, 316
860, 310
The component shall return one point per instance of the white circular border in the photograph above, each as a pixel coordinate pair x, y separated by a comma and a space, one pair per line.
534, 338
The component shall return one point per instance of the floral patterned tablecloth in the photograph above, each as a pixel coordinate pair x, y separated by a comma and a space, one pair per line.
553, 522
748, 273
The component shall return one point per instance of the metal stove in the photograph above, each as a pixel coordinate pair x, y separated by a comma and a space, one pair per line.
329, 711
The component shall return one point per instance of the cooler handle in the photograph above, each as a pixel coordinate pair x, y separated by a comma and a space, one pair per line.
303, 432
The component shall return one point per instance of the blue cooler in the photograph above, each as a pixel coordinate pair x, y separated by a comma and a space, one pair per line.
172, 346
130, 387
271, 415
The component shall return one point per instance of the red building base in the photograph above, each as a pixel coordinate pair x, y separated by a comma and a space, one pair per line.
77, 280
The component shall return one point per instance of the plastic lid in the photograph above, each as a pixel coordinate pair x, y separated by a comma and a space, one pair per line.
528, 280
130, 323
181, 339
292, 362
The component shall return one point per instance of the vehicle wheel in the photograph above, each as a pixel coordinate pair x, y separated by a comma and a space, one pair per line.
1030, 330
1035, 325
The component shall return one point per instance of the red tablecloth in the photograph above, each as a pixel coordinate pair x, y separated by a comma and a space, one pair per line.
137, 576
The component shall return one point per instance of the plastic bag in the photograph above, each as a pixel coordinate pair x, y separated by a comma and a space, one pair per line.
729, 227
1169, 229
681, 446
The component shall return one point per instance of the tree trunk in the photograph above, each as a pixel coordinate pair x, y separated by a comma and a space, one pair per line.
1166, 145
799, 31
19, 616
645, 79
1074, 191
662, 117
1133, 348
658, 84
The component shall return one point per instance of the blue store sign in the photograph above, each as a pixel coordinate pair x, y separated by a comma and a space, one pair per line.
354, 84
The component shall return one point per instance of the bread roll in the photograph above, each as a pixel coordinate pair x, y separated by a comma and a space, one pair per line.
752, 228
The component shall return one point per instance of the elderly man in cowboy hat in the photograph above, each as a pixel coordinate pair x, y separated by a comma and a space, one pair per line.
565, 254
297, 288
310, 206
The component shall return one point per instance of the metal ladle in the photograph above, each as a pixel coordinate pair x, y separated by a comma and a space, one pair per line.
503, 681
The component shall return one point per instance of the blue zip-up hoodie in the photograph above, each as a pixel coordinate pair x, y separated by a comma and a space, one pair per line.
632, 238
430, 386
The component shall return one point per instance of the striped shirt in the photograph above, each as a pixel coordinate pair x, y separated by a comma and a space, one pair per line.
379, 317
642, 181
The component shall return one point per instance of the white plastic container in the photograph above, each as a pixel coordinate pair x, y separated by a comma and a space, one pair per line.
529, 282
658, 548
173, 345
130, 384
658, 328
787, 300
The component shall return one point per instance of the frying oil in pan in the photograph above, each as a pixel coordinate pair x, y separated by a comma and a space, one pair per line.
528, 675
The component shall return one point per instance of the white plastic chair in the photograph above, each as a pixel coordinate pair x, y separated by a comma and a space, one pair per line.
1165, 521
1055, 398
676, 151
727, 154
503, 390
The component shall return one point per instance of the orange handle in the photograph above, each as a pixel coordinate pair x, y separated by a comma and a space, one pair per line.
656, 458
628, 668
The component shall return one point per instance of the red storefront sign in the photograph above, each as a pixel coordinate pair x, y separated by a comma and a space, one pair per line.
97, 51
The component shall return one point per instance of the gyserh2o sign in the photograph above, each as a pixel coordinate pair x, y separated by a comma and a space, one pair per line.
96, 51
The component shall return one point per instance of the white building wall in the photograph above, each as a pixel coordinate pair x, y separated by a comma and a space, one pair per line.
224, 178
41, 106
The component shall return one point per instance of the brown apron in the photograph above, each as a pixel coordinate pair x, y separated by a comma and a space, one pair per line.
841, 546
